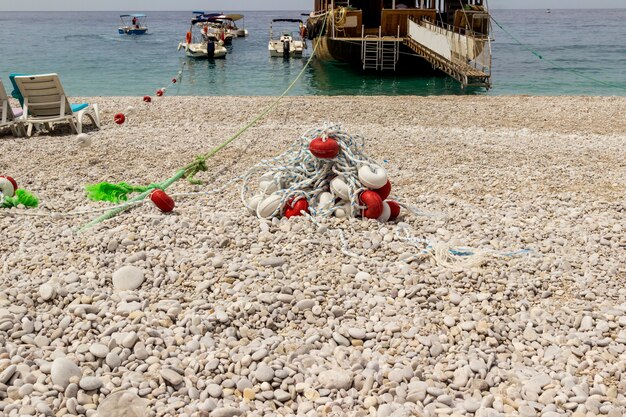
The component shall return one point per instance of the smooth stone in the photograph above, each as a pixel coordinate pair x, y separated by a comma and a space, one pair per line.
259, 354
171, 376
90, 383
99, 350
273, 261
47, 292
123, 404
336, 379
527, 411
113, 360
281, 395
586, 324
226, 412
128, 277
362, 276
264, 373
356, 333
6, 375
214, 390
62, 370
471, 405
305, 304
349, 270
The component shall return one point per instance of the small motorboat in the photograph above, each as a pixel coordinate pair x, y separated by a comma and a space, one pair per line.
133, 24
203, 46
287, 46
230, 20
214, 30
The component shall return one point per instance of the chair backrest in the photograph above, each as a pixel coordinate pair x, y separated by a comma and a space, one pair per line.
6, 112
43, 96
16, 91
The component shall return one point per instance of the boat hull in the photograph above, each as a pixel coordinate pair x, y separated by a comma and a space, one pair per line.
276, 48
349, 51
199, 51
132, 31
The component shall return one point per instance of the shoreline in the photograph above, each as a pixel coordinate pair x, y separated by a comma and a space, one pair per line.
237, 316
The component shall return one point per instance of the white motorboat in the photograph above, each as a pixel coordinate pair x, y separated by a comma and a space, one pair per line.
287, 45
202, 45
230, 20
133, 24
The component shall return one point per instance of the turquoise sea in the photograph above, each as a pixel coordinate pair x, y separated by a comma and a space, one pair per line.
93, 60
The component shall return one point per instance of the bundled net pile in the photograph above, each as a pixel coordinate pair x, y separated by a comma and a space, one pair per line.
324, 173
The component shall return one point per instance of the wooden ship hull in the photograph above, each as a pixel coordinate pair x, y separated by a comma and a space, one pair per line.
431, 37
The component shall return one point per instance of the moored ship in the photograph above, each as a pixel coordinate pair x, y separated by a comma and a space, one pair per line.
409, 36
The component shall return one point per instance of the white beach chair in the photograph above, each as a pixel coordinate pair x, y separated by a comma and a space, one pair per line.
8, 117
45, 102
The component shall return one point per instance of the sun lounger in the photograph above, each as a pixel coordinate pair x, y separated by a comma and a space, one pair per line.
8, 116
44, 101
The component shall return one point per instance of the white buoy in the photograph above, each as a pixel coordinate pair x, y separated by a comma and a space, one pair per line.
339, 188
372, 176
83, 140
6, 187
268, 187
343, 211
268, 206
384, 217
253, 203
130, 110
325, 201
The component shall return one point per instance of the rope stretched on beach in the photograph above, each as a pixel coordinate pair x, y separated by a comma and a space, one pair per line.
543, 58
199, 164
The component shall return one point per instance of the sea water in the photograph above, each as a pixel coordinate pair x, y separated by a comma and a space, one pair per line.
584, 53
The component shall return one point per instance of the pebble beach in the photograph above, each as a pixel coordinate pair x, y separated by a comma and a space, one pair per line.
211, 312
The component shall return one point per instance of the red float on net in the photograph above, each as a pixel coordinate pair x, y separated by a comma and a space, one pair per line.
373, 204
164, 202
7, 185
119, 118
174, 80
160, 92
324, 149
384, 191
147, 99
395, 209
297, 208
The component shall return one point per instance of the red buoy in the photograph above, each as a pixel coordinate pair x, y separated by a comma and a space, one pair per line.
324, 149
174, 80
296, 208
384, 191
119, 118
159, 93
147, 99
395, 209
164, 202
7, 185
373, 203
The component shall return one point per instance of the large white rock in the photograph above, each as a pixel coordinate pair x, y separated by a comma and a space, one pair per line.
123, 404
336, 379
62, 370
128, 278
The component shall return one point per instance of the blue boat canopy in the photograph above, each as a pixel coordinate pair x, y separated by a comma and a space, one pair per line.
132, 15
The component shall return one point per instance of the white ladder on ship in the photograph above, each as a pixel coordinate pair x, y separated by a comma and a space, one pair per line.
377, 53
370, 52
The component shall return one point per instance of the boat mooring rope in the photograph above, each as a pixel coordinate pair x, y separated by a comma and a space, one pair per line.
543, 58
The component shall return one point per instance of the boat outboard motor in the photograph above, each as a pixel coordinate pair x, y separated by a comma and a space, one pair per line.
210, 49
286, 47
